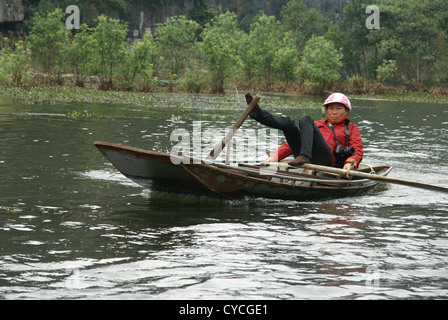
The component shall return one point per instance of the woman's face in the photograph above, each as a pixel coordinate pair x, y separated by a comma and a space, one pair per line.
336, 112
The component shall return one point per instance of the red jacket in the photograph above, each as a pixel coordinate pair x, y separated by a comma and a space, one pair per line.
339, 128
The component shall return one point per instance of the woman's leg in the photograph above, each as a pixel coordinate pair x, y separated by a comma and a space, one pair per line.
285, 124
306, 141
313, 144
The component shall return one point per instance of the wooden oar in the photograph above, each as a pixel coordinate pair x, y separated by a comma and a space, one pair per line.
220, 146
367, 176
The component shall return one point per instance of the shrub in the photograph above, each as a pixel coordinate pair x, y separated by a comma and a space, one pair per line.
137, 62
386, 70
320, 64
220, 48
108, 48
47, 38
14, 64
175, 42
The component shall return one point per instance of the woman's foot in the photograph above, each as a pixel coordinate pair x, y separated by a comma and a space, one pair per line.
298, 161
256, 110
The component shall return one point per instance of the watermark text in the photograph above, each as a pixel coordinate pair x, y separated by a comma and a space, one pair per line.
373, 21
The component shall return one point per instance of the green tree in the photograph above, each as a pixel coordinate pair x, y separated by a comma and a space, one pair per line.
264, 38
14, 63
321, 63
137, 61
220, 48
78, 54
356, 45
286, 59
303, 22
108, 48
248, 58
47, 38
386, 70
175, 41
414, 34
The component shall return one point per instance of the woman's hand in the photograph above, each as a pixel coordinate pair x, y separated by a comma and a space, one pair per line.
348, 166
270, 159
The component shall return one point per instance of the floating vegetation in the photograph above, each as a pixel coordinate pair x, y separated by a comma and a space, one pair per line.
80, 114
408, 96
60, 94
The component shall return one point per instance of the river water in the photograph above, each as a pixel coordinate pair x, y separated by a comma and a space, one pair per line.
72, 227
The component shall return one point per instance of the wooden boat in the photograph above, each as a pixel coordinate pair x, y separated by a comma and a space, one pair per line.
156, 171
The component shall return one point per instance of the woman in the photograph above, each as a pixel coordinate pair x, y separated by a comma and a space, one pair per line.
333, 141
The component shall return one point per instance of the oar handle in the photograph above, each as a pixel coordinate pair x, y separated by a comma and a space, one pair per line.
220, 146
370, 176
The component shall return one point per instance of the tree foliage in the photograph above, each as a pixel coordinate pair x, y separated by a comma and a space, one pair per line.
285, 63
137, 61
265, 36
413, 35
175, 40
14, 63
321, 62
47, 38
296, 45
220, 48
303, 22
78, 52
108, 47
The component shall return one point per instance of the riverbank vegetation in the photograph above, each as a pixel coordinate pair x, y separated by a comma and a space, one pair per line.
299, 52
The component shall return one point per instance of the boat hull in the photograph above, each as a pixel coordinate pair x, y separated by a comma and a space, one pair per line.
156, 171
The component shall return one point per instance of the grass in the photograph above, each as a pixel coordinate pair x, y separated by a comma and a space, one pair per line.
65, 94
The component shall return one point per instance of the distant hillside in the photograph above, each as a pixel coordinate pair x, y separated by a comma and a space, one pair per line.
144, 14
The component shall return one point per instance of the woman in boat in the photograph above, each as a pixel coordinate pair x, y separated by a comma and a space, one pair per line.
333, 141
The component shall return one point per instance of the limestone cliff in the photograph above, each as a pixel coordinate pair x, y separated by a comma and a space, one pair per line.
143, 15
11, 11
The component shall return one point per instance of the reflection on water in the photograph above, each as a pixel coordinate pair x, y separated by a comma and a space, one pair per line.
72, 227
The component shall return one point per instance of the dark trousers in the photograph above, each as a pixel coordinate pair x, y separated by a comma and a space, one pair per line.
305, 139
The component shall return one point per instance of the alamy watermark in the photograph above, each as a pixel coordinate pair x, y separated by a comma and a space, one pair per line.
373, 21
245, 145
73, 21
74, 280
373, 276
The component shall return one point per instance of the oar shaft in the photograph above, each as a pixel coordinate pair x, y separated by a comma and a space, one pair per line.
375, 177
220, 146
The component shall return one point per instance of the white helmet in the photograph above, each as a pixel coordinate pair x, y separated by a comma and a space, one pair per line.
338, 98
